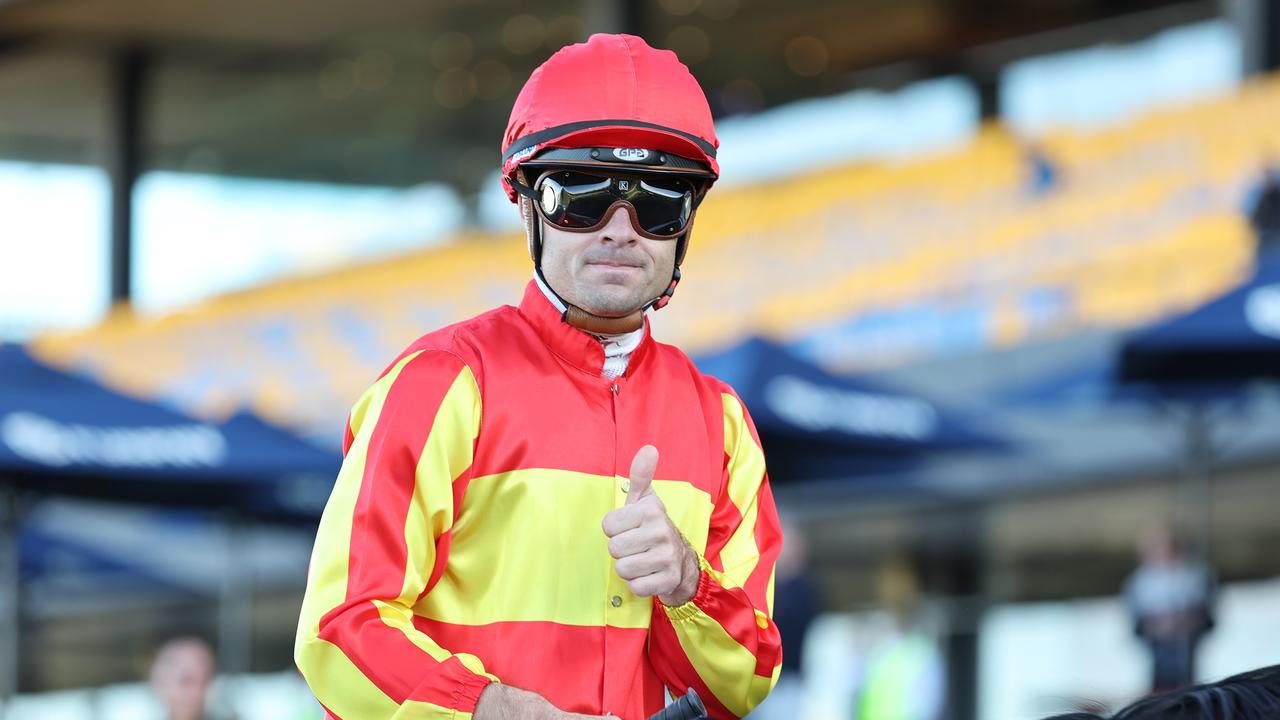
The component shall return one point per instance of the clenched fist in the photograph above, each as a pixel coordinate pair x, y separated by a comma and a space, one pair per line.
649, 552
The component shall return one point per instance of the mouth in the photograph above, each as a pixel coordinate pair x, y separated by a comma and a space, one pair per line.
612, 264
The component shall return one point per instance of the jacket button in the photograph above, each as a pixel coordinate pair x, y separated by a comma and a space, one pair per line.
616, 601
626, 486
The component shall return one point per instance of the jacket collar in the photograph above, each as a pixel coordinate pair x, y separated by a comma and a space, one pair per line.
577, 348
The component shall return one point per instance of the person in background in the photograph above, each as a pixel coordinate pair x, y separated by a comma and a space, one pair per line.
1042, 172
1253, 695
905, 675
181, 674
1171, 600
1263, 209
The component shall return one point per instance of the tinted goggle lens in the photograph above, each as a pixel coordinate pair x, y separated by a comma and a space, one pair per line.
580, 201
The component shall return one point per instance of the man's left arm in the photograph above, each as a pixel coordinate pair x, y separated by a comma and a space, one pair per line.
723, 642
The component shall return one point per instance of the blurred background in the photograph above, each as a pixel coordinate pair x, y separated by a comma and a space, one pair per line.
997, 281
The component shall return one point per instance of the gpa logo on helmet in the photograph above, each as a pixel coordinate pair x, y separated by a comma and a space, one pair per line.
631, 154
517, 157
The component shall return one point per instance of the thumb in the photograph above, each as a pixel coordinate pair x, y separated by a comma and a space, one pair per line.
643, 467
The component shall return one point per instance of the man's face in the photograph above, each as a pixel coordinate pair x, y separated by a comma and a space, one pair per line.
610, 271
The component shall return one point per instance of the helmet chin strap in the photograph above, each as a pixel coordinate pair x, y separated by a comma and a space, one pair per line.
601, 325
583, 319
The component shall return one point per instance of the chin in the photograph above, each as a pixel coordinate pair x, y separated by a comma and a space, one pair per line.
614, 304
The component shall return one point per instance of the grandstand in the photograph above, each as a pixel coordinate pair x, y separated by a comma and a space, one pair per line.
881, 264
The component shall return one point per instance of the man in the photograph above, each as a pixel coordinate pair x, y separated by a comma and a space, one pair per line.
181, 674
544, 513
1263, 209
1171, 598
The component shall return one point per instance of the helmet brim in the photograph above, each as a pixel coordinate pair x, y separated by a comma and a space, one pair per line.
622, 136
642, 162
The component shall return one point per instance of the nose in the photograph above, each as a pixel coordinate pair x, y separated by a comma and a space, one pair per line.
618, 228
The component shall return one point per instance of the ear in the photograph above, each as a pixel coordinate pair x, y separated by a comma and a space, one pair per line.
531, 227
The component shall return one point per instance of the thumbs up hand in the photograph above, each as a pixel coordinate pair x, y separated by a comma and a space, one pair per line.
650, 553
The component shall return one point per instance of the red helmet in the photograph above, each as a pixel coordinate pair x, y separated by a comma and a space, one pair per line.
611, 102
612, 92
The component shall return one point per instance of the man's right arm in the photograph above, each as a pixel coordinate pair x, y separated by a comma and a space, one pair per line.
379, 549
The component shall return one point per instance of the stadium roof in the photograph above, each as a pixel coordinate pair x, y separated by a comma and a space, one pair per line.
394, 92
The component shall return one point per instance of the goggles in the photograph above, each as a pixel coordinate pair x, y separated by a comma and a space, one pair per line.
661, 206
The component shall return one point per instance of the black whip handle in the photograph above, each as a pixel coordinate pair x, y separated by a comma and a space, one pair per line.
689, 707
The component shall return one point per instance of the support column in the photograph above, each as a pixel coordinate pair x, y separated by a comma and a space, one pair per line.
987, 83
1257, 22
124, 163
10, 597
965, 576
1270, 12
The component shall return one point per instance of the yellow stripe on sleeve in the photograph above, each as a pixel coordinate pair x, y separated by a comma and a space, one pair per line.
394, 616
746, 470
360, 698
346, 690
446, 455
327, 579
710, 650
